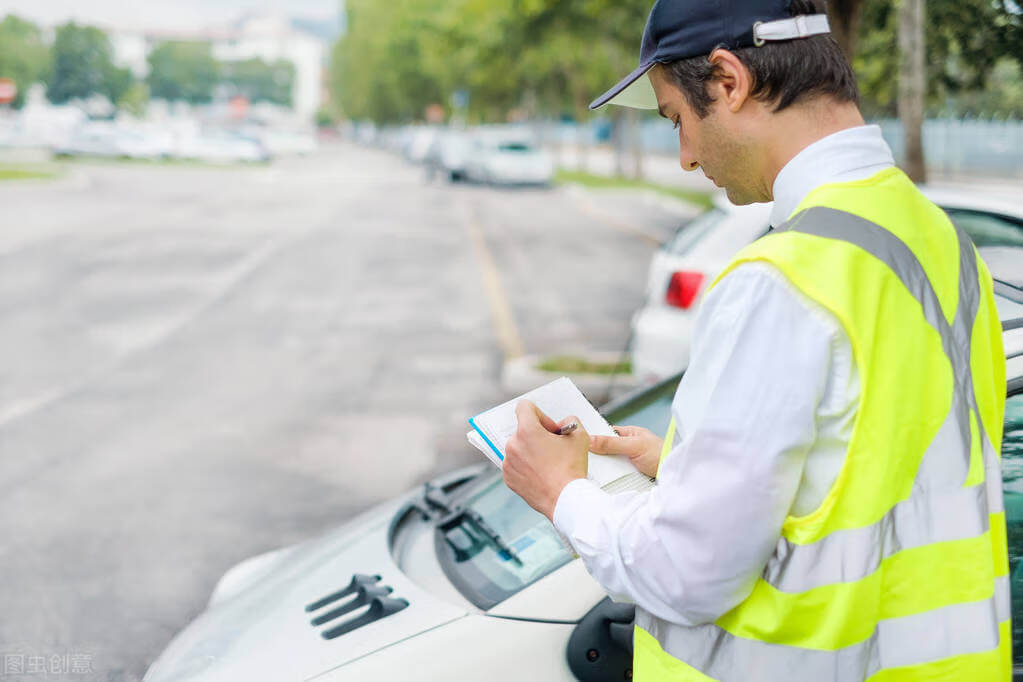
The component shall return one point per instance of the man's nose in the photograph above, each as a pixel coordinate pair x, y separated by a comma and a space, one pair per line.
686, 159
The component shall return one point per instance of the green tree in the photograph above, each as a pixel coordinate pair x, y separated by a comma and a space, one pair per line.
964, 40
181, 70
135, 100
82, 66
260, 81
381, 68
23, 57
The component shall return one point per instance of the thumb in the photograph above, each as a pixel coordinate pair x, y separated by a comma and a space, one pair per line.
614, 445
528, 411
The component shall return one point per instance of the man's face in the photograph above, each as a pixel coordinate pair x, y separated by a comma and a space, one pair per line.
714, 143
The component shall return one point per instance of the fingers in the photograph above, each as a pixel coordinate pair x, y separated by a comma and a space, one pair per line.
530, 415
612, 445
631, 431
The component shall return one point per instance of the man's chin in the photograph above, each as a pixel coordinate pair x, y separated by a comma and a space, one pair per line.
741, 198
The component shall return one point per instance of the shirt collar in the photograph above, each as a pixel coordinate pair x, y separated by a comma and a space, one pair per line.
846, 156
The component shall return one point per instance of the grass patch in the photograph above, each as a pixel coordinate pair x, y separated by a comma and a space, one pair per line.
187, 163
701, 199
15, 173
571, 364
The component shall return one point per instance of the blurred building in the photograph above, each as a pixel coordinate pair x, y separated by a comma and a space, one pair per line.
268, 36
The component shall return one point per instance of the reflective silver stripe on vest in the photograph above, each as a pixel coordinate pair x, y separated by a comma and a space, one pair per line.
921, 638
939, 509
850, 555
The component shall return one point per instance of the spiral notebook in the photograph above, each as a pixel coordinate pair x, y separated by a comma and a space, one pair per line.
559, 399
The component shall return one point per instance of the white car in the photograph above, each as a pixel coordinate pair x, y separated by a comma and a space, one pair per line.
418, 142
104, 139
460, 580
221, 147
510, 159
686, 265
448, 155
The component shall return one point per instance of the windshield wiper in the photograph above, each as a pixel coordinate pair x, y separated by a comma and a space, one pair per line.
436, 503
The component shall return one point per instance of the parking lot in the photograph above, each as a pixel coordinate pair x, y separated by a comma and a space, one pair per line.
202, 363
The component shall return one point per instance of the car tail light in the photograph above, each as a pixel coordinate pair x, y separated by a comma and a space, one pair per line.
682, 288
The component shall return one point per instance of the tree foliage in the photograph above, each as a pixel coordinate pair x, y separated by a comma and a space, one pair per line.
551, 57
82, 66
23, 56
182, 70
538, 56
965, 40
259, 81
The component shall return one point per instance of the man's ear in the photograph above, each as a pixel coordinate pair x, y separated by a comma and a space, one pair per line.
732, 82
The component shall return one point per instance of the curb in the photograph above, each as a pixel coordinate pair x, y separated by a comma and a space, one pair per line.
520, 375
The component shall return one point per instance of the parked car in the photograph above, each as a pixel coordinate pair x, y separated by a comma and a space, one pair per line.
507, 159
109, 140
221, 147
687, 264
417, 142
447, 155
461, 580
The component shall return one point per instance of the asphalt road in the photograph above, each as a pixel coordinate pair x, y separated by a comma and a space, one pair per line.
201, 364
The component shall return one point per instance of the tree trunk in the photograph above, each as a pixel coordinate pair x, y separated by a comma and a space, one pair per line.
618, 135
582, 139
844, 17
912, 85
635, 143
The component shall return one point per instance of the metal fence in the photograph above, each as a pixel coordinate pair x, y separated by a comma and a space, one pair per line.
952, 146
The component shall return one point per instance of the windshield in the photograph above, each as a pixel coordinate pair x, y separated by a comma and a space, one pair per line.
1012, 482
487, 576
514, 147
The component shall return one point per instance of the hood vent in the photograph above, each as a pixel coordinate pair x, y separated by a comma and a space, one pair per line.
363, 590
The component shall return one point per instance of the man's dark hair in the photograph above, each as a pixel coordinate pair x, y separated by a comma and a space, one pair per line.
783, 73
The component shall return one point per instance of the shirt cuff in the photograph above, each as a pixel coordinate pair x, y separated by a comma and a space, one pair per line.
578, 501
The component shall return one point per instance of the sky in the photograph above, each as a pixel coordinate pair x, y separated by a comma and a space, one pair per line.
168, 14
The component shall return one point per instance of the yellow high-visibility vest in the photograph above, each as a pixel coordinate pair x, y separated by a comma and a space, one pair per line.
902, 572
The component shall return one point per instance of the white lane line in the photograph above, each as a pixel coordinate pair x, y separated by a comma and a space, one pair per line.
508, 336
586, 206
27, 406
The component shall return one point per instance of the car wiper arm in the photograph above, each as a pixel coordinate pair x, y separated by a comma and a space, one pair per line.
461, 515
436, 501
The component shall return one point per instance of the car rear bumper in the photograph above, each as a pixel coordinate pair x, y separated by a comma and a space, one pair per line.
660, 342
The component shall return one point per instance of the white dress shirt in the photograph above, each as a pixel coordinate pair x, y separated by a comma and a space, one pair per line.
764, 415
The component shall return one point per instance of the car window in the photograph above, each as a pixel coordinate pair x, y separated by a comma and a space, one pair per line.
486, 577
1012, 482
696, 229
514, 147
988, 229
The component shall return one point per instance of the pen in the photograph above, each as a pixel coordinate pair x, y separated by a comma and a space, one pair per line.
568, 428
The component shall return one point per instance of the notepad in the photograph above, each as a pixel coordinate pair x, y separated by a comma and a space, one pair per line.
492, 429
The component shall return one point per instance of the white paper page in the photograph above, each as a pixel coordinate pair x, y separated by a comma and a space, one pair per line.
558, 399
477, 441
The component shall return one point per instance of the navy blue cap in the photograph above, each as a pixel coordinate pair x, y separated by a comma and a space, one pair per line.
679, 29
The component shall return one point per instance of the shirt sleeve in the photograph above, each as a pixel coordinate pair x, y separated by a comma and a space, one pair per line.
691, 548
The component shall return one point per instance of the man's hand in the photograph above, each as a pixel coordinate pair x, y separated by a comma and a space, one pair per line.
641, 445
538, 463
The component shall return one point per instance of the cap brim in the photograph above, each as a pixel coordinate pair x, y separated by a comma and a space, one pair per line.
632, 91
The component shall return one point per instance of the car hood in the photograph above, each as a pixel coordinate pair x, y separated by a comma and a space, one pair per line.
263, 630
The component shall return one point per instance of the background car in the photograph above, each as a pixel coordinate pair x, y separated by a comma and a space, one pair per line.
109, 140
508, 158
687, 264
447, 155
221, 147
461, 579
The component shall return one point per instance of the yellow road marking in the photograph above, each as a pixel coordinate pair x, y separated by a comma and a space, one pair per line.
500, 311
593, 212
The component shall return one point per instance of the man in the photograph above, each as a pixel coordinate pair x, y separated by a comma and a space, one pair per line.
829, 502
